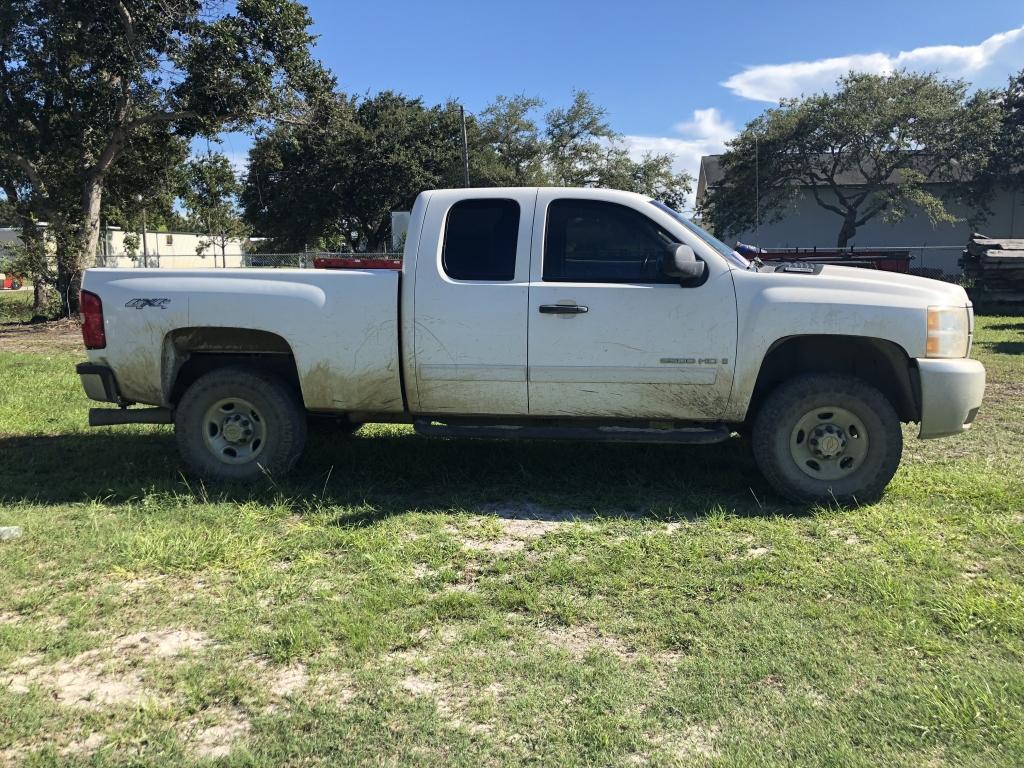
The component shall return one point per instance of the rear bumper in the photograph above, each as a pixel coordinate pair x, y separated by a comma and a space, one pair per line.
99, 383
951, 394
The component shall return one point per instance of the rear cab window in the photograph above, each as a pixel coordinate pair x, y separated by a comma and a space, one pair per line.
480, 240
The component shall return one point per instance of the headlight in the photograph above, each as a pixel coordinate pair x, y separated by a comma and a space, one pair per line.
948, 333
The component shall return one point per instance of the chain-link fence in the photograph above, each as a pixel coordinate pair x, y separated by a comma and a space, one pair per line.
308, 259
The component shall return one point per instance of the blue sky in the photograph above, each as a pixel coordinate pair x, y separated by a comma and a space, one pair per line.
680, 77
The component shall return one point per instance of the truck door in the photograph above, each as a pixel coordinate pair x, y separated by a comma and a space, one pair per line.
471, 294
609, 335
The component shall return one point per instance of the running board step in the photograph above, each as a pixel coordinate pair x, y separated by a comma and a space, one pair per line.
694, 435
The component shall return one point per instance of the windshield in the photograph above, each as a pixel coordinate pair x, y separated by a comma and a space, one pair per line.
733, 257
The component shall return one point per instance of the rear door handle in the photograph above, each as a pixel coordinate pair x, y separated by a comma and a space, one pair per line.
563, 309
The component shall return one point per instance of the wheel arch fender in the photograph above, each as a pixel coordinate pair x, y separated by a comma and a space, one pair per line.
189, 353
880, 362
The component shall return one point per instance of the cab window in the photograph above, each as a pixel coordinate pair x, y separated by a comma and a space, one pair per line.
594, 241
480, 239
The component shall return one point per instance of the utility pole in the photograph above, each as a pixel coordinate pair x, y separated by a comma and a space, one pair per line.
145, 247
757, 194
465, 145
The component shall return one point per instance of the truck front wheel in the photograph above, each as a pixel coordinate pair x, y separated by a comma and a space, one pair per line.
238, 424
827, 438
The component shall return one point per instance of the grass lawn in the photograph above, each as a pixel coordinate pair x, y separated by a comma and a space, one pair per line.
404, 601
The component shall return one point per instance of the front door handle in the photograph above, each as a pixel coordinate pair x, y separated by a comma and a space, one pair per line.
563, 309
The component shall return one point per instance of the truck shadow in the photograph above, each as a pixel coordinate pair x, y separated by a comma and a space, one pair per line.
1007, 347
374, 477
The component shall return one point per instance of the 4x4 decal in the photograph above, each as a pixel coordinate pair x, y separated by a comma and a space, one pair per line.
143, 303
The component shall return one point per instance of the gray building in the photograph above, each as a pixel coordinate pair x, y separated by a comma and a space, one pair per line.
806, 224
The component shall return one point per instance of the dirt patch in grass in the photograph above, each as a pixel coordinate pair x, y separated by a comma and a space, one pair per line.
105, 677
751, 553
288, 681
520, 522
84, 681
421, 571
975, 570
216, 732
467, 578
419, 685
503, 545
336, 687
451, 703
697, 741
80, 748
83, 747
53, 336
850, 539
162, 643
581, 640
530, 518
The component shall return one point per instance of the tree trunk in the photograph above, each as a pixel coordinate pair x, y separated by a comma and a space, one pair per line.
35, 246
848, 231
76, 248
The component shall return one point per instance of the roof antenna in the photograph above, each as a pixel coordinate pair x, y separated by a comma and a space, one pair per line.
465, 145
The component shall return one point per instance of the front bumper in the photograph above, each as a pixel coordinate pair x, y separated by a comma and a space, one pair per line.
951, 394
99, 383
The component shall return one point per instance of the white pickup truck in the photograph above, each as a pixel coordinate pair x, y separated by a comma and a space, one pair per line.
578, 314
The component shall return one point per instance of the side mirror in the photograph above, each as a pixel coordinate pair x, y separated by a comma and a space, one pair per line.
681, 262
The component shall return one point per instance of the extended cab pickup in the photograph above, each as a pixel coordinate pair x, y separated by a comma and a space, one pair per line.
579, 314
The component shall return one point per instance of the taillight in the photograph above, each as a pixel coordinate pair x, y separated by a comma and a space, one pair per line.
92, 320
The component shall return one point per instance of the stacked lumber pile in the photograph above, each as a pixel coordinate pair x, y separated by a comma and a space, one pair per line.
996, 268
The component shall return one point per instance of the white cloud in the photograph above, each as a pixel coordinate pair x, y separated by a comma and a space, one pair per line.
704, 134
986, 63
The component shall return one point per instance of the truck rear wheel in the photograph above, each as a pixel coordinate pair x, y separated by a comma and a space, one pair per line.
827, 438
239, 424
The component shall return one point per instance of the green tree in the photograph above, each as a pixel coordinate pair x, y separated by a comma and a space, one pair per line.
1006, 148
210, 197
582, 150
578, 138
31, 256
149, 177
78, 81
871, 148
1008, 160
508, 130
334, 183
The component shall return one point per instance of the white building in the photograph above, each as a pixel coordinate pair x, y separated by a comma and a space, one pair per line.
175, 250
805, 224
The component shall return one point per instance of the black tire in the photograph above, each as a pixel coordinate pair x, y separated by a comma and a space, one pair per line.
279, 418
782, 444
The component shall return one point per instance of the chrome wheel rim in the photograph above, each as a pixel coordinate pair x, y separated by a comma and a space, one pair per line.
234, 430
829, 443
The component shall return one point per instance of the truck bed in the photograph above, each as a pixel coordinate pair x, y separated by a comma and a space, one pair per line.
341, 327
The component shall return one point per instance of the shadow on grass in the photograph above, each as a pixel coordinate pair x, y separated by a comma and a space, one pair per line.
1006, 347
376, 477
984, 309
1007, 327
